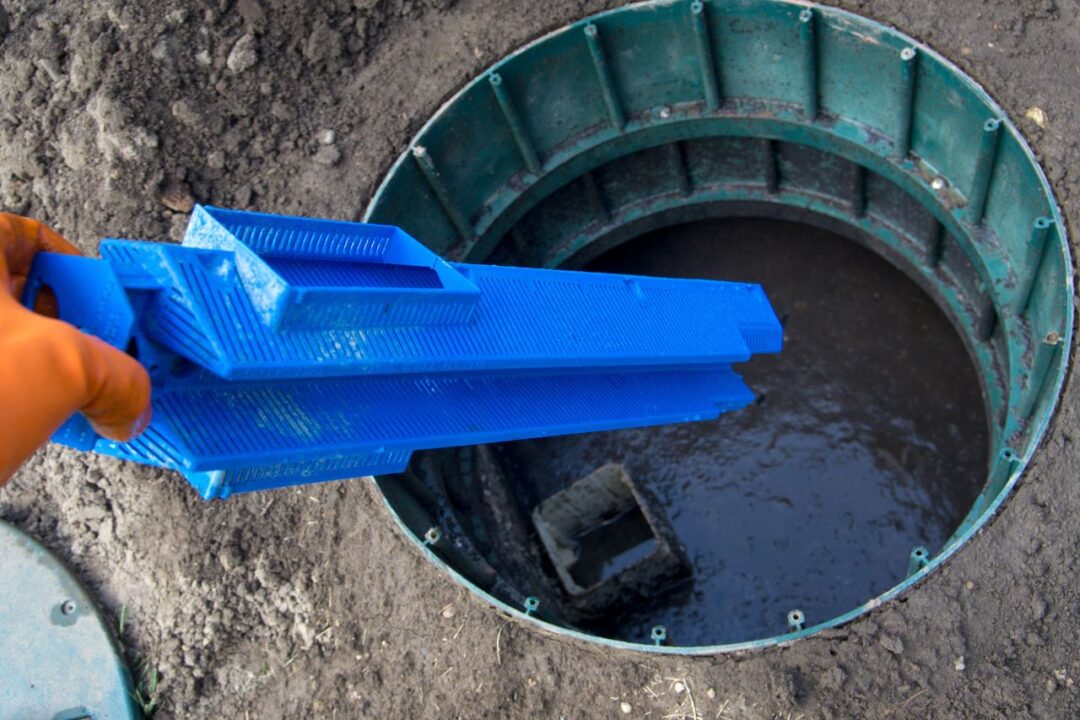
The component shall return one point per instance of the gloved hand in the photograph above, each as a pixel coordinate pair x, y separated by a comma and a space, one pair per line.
49, 370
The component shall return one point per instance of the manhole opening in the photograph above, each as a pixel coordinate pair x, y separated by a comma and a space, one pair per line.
632, 141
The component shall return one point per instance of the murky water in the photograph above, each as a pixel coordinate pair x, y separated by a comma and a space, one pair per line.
610, 547
869, 438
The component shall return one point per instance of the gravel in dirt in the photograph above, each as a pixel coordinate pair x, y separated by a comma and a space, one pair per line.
309, 603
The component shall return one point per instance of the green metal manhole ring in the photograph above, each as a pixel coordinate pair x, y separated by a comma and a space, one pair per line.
660, 112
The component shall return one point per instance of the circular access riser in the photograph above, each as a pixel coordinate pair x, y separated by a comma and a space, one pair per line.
657, 114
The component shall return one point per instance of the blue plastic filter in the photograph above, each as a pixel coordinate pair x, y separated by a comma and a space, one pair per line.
291, 350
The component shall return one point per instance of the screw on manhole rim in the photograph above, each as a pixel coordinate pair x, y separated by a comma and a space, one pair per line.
432, 536
795, 620
68, 607
532, 604
487, 174
918, 559
658, 634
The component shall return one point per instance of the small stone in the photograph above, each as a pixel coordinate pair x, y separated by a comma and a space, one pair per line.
304, 633
1036, 115
959, 664
186, 113
969, 586
1060, 675
203, 58
281, 111
711, 694
50, 67
327, 155
834, 678
1038, 607
679, 688
243, 195
215, 160
448, 612
326, 137
626, 707
163, 51
893, 644
323, 44
243, 55
178, 198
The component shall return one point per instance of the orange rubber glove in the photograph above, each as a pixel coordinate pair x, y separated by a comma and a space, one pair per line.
49, 370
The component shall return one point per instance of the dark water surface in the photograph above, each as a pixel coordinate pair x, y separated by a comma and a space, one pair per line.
869, 438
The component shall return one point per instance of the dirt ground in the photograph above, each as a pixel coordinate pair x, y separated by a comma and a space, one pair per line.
310, 603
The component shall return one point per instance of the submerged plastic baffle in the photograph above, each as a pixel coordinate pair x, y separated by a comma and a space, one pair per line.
291, 350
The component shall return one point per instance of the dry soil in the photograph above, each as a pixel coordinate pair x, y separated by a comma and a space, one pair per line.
309, 603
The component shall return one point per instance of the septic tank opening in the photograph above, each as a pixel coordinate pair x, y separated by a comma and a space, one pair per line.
598, 144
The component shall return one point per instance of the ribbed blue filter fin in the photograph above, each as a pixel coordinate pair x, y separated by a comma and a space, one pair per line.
319, 425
